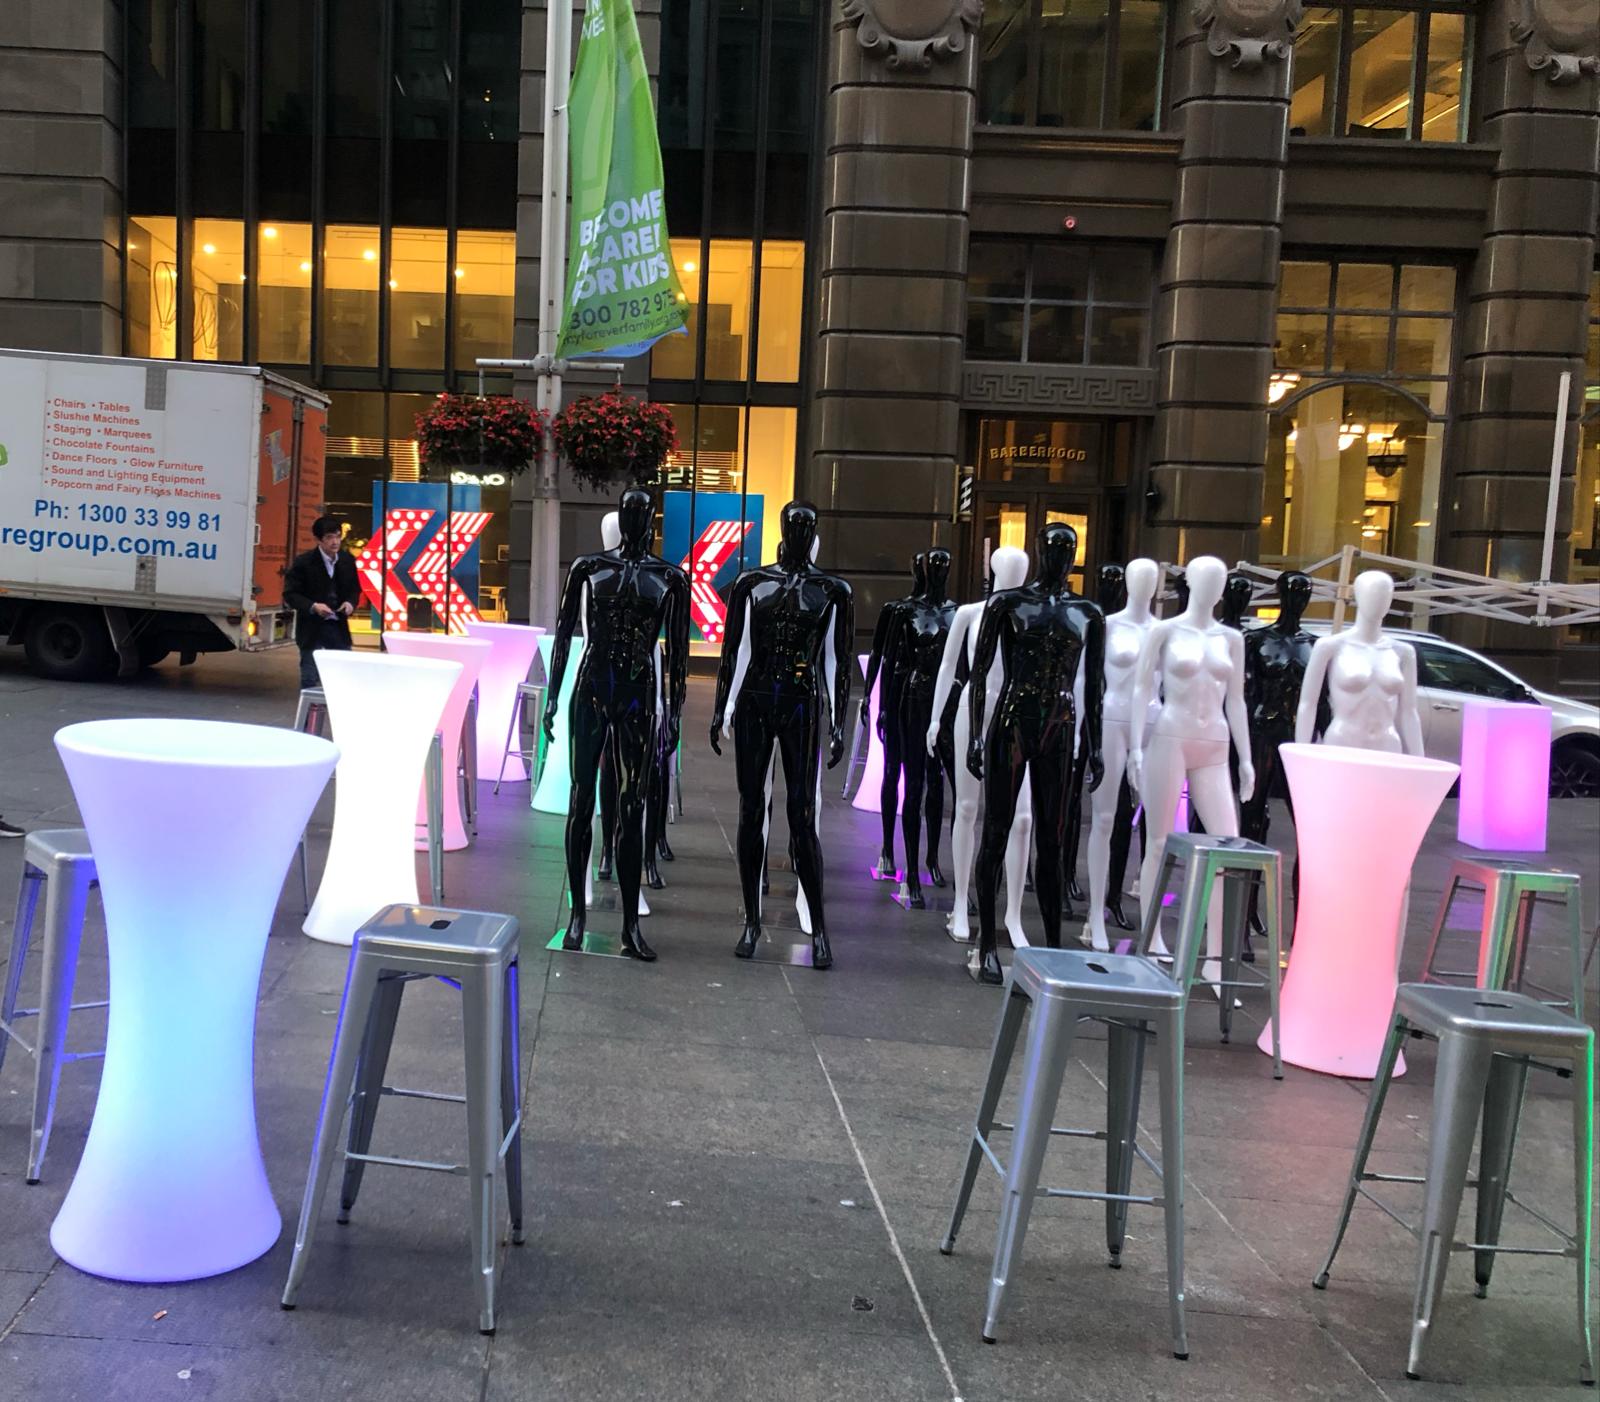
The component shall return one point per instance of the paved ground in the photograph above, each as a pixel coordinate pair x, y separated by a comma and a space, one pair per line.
739, 1173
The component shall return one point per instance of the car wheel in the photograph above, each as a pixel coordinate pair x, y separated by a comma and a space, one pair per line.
69, 644
1574, 771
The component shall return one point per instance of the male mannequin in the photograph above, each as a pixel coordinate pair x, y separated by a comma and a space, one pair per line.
1045, 635
793, 615
625, 598
889, 705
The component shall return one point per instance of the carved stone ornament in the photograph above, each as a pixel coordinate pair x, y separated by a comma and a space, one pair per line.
1554, 35
912, 33
1253, 31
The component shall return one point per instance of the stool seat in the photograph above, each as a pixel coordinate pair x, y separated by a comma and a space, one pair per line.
1127, 982
474, 935
56, 847
1512, 1022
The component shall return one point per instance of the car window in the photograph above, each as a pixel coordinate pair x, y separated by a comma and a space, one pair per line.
1446, 669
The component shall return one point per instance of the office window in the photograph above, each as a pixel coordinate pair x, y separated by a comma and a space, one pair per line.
1585, 538
418, 272
1386, 72
485, 276
283, 294
1060, 304
783, 285
1072, 63
217, 270
350, 295
152, 311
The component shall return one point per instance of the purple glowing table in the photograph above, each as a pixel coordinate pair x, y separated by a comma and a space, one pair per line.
1360, 816
193, 825
1505, 776
869, 794
472, 654
513, 646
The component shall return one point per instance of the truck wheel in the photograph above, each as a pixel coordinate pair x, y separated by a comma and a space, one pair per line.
69, 644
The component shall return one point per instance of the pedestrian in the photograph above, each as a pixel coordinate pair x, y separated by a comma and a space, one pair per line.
322, 588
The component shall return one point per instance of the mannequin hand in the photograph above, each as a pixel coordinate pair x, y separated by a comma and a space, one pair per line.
1247, 780
835, 745
550, 723
975, 760
716, 735
866, 712
883, 730
1136, 771
672, 728
1096, 771
933, 739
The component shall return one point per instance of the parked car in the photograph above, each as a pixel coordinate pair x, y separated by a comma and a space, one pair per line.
1448, 674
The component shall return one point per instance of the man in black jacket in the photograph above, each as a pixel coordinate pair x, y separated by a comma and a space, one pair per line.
322, 588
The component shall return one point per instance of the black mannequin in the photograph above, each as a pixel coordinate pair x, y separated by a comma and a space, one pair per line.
655, 810
1111, 594
914, 649
1044, 633
1236, 595
1180, 584
791, 614
631, 596
889, 705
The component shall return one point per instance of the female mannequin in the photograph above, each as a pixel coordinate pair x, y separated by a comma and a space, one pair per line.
1200, 663
1126, 632
1111, 595
889, 706
1008, 568
1372, 680
1045, 637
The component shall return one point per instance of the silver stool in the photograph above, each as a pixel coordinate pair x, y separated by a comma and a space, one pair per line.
1487, 1039
1207, 859
1134, 997
311, 714
477, 953
60, 861
530, 697
1510, 891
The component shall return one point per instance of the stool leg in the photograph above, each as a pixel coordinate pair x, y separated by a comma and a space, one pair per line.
1172, 1183
21, 929
1150, 926
1005, 1042
511, 733
1583, 1196
1369, 1130
1458, 1090
511, 1100
1502, 1108
65, 901
1049, 1046
1498, 938
1272, 880
360, 983
1124, 1076
484, 1008
1439, 922
1232, 944
305, 874
371, 1065
1575, 944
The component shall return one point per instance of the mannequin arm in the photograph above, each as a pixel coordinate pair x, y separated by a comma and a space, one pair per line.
990, 623
1144, 686
1410, 722
677, 652
830, 666
1305, 717
880, 639
1239, 717
954, 641
844, 631
570, 617
740, 667
1092, 686
732, 641
891, 659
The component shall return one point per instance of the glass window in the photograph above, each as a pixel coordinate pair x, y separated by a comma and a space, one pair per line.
152, 310
1140, 37
1422, 345
1302, 341
673, 357
1055, 335
485, 277
1449, 669
283, 294
1116, 336
997, 269
994, 330
350, 295
1444, 93
217, 268
356, 92
783, 283
1316, 73
1057, 304
1072, 62
728, 309
1003, 88
1424, 289
1061, 274
417, 276
1360, 344
1369, 334
1382, 49
284, 148
1365, 286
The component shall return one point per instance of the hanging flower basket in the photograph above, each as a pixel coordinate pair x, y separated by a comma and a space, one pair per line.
494, 433
613, 440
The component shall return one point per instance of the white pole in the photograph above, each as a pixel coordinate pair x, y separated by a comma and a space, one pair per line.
1558, 453
543, 573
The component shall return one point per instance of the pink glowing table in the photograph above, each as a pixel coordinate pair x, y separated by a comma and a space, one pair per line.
513, 646
1505, 776
471, 653
1360, 816
868, 797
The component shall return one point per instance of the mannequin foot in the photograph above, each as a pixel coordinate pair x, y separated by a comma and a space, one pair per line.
664, 851
607, 863
1096, 932
990, 970
1074, 891
633, 945
747, 942
821, 952
957, 928
914, 897
1016, 934
572, 941
885, 866
1118, 917
936, 873
652, 877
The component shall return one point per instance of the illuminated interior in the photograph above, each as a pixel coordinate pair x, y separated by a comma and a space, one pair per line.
729, 280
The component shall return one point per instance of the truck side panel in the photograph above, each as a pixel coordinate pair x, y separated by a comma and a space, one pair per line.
290, 486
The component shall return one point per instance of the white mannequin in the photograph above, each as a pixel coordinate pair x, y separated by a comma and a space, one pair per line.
1201, 666
1372, 680
1008, 568
1126, 632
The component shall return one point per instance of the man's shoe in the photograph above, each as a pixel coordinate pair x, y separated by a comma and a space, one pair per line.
10, 829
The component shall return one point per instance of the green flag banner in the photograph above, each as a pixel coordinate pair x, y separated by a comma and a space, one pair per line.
622, 290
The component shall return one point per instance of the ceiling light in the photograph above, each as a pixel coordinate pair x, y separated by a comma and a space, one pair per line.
1280, 383
208, 248
305, 267
269, 232
369, 255
690, 266
132, 247
393, 284
461, 272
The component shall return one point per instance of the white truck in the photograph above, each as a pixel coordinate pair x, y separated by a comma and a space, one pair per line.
149, 507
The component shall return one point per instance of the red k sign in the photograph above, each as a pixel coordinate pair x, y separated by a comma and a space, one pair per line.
387, 583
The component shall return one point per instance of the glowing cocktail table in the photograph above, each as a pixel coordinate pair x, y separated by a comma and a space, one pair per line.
869, 795
512, 650
1360, 816
555, 783
193, 825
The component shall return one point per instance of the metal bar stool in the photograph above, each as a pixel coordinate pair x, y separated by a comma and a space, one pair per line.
856, 769
59, 860
1511, 889
1134, 997
1487, 1040
530, 697
311, 714
475, 952
1207, 859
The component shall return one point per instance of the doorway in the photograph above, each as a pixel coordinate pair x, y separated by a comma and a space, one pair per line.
1010, 517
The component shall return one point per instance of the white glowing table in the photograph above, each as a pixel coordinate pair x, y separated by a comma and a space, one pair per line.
869, 796
1505, 776
384, 711
471, 653
555, 784
193, 825
1360, 816
513, 647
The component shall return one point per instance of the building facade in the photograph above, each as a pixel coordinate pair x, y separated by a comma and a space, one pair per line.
1249, 277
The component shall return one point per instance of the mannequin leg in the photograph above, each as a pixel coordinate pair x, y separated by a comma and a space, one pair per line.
766, 829
1104, 805
1018, 845
889, 794
608, 815
588, 733
914, 722
947, 751
797, 743
655, 813
631, 734
933, 814
664, 803
963, 830
1051, 777
1005, 769
1072, 840
1211, 792
752, 754
1163, 781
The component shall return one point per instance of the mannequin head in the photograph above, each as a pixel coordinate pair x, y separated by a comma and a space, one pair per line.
938, 574
919, 572
1142, 577
1374, 592
799, 528
1058, 552
1113, 588
610, 531
1008, 567
636, 515
1294, 593
1236, 592
1206, 576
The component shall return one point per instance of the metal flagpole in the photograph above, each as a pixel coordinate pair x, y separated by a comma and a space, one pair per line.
1558, 453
